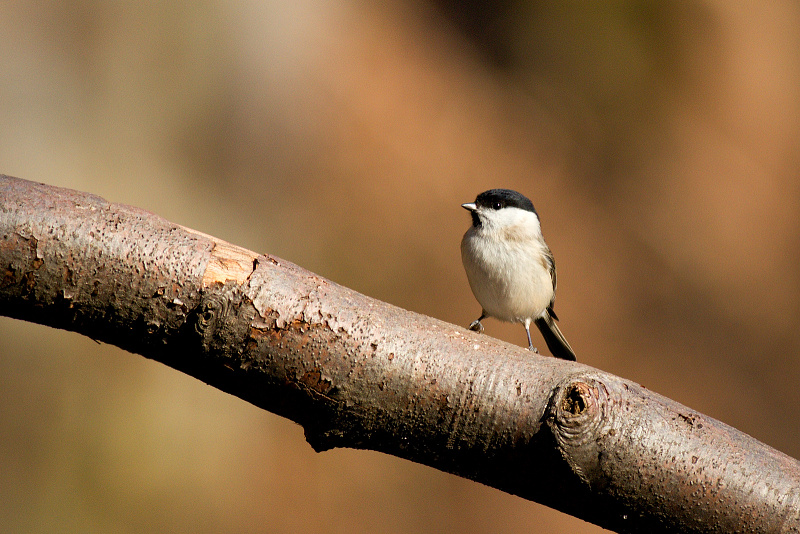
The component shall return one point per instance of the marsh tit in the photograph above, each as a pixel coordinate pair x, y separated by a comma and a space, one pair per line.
510, 268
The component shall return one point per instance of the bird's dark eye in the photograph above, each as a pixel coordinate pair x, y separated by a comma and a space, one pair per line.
497, 205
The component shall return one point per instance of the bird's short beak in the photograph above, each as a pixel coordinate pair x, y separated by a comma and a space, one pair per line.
470, 206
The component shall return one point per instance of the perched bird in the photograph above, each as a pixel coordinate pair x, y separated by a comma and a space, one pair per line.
510, 268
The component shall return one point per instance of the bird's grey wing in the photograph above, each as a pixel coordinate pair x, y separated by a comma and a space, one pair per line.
551, 268
550, 262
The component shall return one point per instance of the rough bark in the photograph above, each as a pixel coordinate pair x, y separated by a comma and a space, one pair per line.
357, 372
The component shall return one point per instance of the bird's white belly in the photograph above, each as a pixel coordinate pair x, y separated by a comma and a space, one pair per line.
509, 280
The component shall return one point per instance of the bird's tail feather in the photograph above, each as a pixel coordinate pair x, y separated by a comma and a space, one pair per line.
554, 338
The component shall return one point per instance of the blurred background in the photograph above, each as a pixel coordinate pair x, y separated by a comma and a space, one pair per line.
659, 141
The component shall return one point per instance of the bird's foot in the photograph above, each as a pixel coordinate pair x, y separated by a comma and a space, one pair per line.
476, 326
533, 349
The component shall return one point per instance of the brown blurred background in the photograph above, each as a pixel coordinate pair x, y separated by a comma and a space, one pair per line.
658, 140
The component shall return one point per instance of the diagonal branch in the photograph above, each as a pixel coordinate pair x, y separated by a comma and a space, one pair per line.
357, 372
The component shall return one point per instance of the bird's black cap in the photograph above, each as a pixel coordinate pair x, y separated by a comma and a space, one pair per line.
504, 198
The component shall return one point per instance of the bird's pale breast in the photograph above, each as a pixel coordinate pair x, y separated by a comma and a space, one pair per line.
508, 276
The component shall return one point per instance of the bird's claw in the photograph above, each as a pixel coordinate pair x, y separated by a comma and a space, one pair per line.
476, 326
533, 349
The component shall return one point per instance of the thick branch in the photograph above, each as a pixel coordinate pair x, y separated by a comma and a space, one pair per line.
356, 372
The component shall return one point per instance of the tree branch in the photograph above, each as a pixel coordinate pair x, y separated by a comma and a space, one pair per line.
357, 372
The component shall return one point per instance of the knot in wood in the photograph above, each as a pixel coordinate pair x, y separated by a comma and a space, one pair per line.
578, 419
578, 410
223, 318
212, 315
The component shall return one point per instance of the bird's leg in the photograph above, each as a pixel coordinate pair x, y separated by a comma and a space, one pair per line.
528, 331
476, 325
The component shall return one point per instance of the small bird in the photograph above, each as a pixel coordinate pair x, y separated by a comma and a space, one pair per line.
510, 268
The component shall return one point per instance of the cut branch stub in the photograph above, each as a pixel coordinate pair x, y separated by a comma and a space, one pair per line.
578, 418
